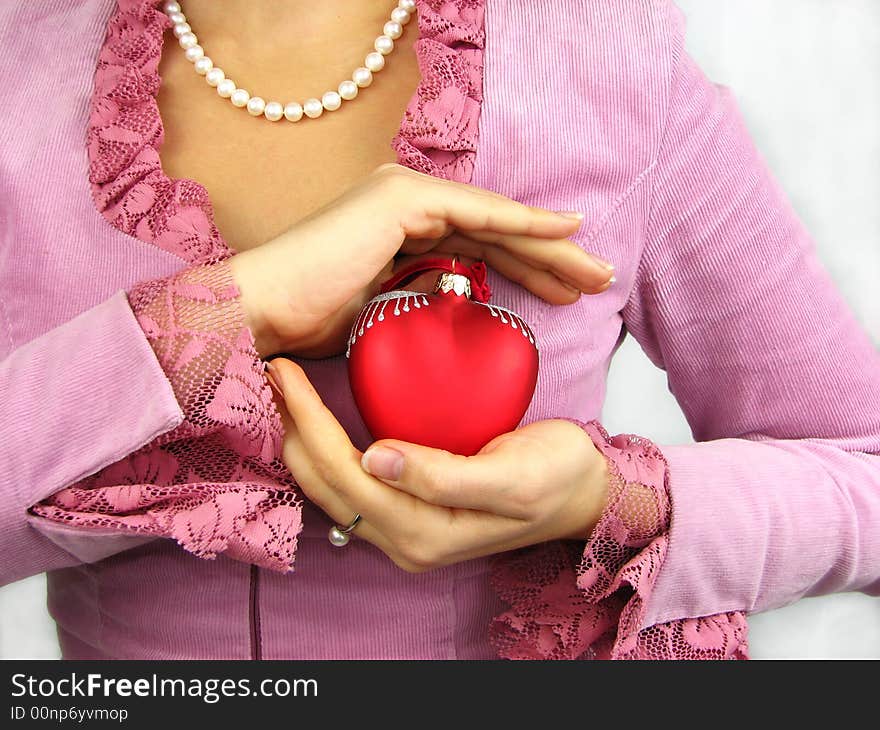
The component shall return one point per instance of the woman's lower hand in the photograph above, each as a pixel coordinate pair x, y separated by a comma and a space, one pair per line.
302, 290
426, 508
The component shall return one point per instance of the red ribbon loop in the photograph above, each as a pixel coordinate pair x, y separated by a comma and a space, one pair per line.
476, 272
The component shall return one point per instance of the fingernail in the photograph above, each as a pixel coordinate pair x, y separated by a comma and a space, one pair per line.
271, 375
383, 463
603, 263
577, 215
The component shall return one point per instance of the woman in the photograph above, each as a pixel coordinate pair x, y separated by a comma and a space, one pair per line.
559, 541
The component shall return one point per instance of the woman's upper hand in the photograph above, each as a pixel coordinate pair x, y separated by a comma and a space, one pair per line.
426, 508
302, 290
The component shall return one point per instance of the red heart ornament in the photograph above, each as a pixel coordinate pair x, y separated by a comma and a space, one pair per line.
440, 369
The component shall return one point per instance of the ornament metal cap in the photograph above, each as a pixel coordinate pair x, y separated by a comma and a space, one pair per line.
456, 283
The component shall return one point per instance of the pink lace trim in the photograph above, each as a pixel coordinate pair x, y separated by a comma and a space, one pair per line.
195, 324
125, 133
439, 131
573, 601
216, 483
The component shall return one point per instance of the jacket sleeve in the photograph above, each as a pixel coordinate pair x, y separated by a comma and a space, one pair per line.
161, 425
780, 496
67, 414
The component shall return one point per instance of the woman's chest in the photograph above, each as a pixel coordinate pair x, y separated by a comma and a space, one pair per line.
261, 176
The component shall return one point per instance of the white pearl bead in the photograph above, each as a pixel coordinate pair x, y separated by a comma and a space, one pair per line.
225, 88
215, 76
203, 65
240, 98
374, 61
331, 101
392, 30
180, 29
194, 54
399, 15
273, 111
293, 111
384, 45
188, 40
313, 108
337, 538
408, 5
362, 76
348, 90
256, 106
171, 8
177, 17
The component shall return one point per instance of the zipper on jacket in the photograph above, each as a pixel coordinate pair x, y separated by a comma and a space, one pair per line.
254, 614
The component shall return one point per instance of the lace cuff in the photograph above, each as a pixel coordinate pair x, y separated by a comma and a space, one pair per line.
215, 483
569, 600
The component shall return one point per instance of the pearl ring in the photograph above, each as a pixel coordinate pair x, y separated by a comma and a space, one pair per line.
339, 536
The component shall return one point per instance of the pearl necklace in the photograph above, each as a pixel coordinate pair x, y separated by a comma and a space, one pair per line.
293, 111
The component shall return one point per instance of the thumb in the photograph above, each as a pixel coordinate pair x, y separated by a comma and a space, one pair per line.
278, 395
316, 425
440, 477
291, 383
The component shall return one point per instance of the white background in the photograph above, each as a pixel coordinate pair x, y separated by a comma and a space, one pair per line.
807, 77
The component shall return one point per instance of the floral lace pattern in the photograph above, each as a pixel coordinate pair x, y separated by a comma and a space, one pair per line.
572, 601
125, 133
217, 484
438, 134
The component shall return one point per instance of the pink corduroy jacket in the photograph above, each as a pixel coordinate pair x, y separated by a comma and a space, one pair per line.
139, 441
